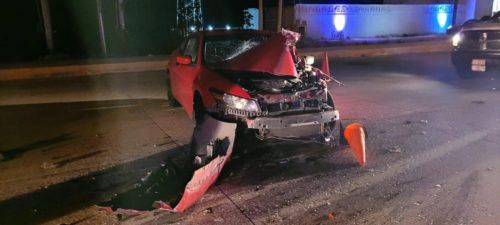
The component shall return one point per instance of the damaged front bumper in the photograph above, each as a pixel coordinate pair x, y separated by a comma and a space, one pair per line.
281, 122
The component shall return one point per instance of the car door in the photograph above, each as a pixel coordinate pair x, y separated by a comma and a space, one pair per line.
182, 76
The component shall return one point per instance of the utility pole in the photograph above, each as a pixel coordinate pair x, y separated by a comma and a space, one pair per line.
102, 35
261, 15
280, 15
189, 14
47, 25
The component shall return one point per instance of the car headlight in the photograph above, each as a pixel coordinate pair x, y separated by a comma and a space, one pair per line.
457, 38
236, 102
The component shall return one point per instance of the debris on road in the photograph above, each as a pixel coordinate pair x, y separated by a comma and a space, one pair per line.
218, 220
394, 149
478, 102
46, 165
209, 210
438, 185
330, 216
424, 121
158, 186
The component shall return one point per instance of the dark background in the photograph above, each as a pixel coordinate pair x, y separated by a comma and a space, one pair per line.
150, 26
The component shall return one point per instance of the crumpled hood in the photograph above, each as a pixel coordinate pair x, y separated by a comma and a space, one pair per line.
272, 56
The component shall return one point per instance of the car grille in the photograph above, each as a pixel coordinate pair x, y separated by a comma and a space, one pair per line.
481, 40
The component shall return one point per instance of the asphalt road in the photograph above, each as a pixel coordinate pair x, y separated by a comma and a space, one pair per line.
433, 151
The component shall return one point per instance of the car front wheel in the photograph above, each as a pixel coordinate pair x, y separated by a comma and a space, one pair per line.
464, 72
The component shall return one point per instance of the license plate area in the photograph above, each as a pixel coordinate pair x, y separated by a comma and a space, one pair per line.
478, 65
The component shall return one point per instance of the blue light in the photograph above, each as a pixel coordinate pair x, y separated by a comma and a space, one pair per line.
339, 21
192, 28
228, 27
442, 18
210, 27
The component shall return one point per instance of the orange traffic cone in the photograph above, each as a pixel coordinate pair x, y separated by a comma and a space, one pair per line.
355, 135
325, 66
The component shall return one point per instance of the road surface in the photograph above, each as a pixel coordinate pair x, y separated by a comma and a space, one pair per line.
433, 151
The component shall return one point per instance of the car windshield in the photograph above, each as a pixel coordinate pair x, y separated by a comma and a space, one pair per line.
496, 15
219, 49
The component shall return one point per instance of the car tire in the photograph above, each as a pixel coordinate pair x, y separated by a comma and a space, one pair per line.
333, 126
464, 73
170, 96
197, 159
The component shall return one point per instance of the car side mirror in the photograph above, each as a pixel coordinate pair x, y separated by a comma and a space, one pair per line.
183, 59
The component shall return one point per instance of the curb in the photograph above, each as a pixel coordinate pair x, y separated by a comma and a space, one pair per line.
379, 50
80, 70
355, 51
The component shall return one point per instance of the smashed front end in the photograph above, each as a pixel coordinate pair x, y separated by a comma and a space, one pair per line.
289, 97
281, 107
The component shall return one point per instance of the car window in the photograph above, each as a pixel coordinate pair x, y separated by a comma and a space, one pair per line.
191, 49
183, 46
219, 49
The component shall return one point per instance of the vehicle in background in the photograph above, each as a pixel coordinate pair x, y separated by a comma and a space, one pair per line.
476, 47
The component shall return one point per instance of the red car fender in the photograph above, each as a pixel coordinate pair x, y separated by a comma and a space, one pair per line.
209, 79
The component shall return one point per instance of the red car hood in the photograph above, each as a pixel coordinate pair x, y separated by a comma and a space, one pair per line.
271, 56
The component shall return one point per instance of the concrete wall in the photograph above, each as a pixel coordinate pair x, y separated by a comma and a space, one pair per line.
418, 1
333, 21
467, 9
484, 8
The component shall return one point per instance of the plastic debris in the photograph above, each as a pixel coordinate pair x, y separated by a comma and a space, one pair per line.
46, 165
330, 216
394, 149
161, 205
209, 210
218, 220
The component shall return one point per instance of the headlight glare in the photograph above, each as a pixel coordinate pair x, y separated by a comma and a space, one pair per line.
457, 38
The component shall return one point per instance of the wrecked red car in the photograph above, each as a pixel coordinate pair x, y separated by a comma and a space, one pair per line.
236, 83
254, 79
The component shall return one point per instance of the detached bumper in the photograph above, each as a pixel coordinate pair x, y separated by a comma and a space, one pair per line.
270, 123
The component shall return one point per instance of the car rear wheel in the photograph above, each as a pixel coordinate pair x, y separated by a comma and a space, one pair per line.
171, 99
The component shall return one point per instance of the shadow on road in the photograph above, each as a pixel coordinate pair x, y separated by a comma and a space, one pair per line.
60, 199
